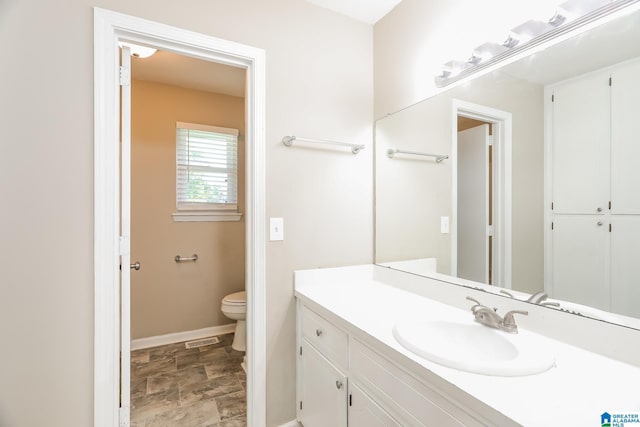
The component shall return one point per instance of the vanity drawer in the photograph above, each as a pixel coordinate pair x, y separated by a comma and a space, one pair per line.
412, 402
327, 338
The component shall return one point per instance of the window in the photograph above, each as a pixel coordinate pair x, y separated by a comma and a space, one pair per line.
206, 172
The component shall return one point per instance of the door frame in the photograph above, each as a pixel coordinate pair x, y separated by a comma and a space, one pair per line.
109, 28
502, 183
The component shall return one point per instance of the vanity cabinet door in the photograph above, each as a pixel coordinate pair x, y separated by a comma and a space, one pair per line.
364, 412
580, 245
323, 390
580, 145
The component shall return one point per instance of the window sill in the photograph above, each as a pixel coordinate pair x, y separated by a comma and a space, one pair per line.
206, 216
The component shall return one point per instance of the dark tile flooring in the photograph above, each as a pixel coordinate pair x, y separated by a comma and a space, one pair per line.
201, 387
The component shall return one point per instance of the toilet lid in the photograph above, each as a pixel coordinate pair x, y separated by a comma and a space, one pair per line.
238, 298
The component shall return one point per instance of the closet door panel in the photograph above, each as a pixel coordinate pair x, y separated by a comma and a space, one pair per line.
581, 128
625, 265
580, 244
625, 140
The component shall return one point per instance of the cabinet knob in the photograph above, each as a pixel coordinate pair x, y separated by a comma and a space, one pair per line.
338, 385
599, 209
600, 223
318, 332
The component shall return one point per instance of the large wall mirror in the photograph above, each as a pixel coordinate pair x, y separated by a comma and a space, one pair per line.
524, 181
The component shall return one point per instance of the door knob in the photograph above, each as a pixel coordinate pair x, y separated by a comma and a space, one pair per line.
600, 223
338, 385
599, 209
135, 266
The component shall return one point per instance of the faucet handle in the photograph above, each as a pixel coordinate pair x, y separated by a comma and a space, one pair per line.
509, 322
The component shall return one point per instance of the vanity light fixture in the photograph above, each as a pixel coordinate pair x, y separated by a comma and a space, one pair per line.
566, 17
138, 51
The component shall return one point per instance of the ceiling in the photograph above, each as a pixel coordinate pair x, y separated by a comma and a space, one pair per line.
191, 73
368, 11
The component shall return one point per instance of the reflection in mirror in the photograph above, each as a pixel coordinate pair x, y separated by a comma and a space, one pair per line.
539, 193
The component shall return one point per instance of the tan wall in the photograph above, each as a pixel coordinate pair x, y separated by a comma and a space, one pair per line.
319, 84
166, 296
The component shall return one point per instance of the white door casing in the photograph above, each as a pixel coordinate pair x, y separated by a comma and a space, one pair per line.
109, 28
473, 204
125, 234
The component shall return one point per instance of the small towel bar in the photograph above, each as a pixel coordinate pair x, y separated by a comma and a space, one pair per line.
193, 258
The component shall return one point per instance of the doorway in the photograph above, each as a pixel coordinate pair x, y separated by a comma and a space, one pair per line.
187, 166
475, 194
111, 244
481, 194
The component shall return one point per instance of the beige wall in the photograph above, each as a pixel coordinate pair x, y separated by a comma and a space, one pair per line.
411, 195
319, 84
166, 296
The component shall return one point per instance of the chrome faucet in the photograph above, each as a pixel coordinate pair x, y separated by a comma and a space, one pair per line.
538, 297
488, 317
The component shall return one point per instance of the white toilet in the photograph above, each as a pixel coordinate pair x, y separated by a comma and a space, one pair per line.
234, 306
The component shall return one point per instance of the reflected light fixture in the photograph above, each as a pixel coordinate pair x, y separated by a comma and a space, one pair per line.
138, 51
566, 17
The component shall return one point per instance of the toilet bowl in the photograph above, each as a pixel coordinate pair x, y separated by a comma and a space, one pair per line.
234, 306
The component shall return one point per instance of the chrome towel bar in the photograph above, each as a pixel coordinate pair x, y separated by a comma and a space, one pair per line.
439, 157
193, 258
288, 142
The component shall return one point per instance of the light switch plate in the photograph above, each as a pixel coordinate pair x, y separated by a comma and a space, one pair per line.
276, 229
444, 224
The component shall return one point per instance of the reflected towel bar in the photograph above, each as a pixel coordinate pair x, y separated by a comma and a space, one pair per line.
288, 142
439, 157
193, 258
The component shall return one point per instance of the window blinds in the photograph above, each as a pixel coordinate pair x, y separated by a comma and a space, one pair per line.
206, 167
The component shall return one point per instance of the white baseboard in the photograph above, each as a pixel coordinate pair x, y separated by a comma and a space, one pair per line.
292, 423
197, 334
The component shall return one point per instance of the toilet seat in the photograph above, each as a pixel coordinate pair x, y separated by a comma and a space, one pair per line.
236, 299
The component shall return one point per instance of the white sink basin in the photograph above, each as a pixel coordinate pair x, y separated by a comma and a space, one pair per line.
472, 347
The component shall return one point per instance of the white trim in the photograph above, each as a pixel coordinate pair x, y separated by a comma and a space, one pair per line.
196, 334
292, 423
109, 28
502, 182
206, 216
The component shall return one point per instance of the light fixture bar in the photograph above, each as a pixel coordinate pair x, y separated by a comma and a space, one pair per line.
515, 44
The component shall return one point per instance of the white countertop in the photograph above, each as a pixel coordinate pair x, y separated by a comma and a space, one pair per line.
575, 392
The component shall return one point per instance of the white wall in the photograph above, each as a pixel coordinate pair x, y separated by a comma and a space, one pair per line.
319, 84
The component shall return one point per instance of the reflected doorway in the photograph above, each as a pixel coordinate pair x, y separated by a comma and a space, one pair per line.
481, 189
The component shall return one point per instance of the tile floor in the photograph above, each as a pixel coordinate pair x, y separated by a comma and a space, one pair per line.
172, 386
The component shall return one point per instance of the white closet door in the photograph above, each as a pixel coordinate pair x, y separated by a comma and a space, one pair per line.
625, 265
581, 127
625, 140
473, 204
580, 245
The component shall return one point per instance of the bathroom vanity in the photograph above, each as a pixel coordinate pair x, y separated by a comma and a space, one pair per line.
352, 371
